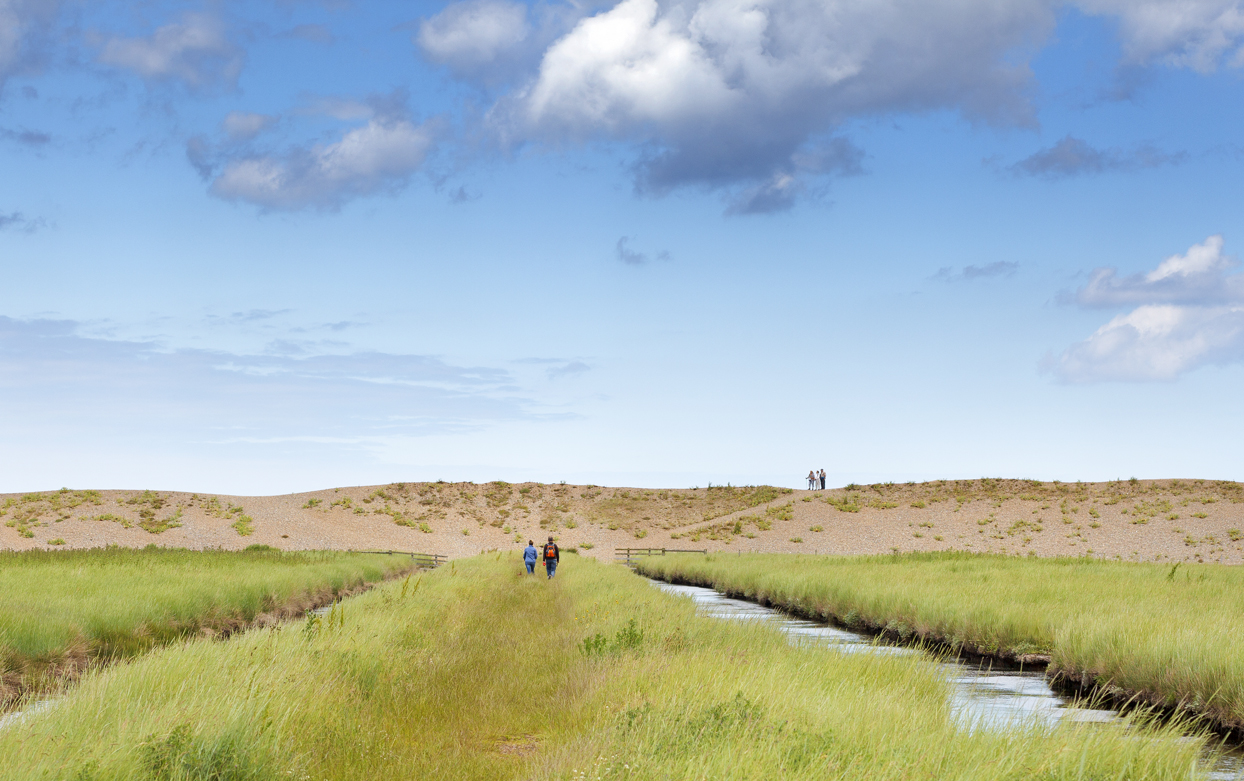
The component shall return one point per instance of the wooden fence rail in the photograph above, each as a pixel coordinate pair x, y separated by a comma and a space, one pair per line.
424, 560
628, 555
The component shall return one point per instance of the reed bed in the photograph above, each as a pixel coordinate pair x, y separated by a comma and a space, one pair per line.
1167, 634
477, 671
62, 610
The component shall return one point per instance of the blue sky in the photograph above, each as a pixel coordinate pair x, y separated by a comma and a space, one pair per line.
258, 247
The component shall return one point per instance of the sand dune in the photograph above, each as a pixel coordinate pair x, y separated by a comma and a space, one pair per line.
1149, 520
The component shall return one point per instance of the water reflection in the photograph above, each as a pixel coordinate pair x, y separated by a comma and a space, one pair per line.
17, 717
982, 695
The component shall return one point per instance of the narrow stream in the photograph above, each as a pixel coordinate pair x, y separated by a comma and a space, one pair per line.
982, 696
14, 718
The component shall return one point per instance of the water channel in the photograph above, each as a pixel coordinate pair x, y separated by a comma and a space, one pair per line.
983, 696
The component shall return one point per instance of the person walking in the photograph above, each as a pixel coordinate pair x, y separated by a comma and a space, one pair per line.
822, 479
529, 556
551, 557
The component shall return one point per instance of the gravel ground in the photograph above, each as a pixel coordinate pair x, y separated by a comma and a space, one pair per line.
1136, 521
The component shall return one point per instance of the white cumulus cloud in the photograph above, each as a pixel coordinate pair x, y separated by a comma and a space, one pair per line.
471, 37
1198, 34
730, 93
194, 51
1189, 312
1155, 342
1199, 276
735, 93
377, 157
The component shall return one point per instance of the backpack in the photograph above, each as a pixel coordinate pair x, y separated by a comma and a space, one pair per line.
550, 551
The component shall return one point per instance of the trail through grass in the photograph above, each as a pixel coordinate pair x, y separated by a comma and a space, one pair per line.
60, 610
477, 671
1171, 633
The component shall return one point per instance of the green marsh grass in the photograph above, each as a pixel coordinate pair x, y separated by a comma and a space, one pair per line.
1173, 641
477, 671
60, 610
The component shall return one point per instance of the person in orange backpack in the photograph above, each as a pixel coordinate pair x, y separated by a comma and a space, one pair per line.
551, 557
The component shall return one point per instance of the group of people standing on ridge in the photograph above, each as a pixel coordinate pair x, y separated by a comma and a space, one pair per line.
551, 556
815, 479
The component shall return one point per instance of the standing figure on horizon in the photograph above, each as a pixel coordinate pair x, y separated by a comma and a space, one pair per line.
822, 479
812, 480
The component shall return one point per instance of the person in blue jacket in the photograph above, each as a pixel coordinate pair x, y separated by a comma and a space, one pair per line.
529, 557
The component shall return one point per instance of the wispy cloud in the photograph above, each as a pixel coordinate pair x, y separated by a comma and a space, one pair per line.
557, 367
194, 52
633, 257
28, 138
1189, 312
1199, 276
379, 156
24, 44
253, 315
569, 369
1000, 268
16, 221
314, 33
244, 125
341, 325
50, 368
1074, 157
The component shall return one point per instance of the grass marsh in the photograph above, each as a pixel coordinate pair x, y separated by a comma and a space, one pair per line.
60, 610
1167, 634
476, 671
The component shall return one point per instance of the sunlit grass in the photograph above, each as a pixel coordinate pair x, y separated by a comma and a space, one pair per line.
59, 610
1171, 633
477, 671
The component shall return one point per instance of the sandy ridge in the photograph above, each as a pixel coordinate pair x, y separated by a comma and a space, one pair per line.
1143, 520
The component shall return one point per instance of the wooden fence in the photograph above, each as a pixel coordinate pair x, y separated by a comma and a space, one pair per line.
628, 555
424, 560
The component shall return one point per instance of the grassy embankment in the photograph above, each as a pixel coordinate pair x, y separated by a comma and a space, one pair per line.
1170, 634
477, 671
61, 611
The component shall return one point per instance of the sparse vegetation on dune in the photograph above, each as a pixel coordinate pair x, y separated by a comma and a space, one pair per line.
62, 610
1131, 520
40, 509
553, 507
1170, 634
476, 671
